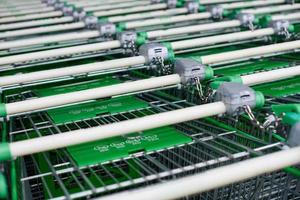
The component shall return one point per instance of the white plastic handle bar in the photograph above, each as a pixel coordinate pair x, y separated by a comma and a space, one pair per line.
117, 6
74, 70
30, 17
91, 94
94, 3
49, 39
23, 7
167, 20
16, 2
251, 52
9, 4
252, 79
213, 178
269, 76
272, 9
47, 143
60, 52
97, 1
5, 5
88, 68
28, 7
26, 12
290, 17
33, 23
20, 2
230, 37
206, 2
251, 4
145, 15
130, 10
43, 29
193, 29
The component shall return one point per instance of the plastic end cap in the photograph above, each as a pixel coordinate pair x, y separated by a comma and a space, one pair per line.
171, 56
219, 81
232, 14
291, 28
143, 34
265, 20
90, 13
168, 45
260, 99
202, 8
256, 20
5, 153
209, 73
140, 40
179, 4
215, 84
3, 112
121, 26
226, 13
200, 60
3, 187
103, 19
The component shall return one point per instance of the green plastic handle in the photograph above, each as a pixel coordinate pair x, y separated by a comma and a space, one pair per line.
215, 84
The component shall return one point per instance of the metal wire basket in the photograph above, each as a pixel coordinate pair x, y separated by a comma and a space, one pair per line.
56, 175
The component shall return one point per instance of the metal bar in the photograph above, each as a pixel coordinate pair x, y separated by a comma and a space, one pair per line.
272, 9
250, 52
167, 20
269, 76
130, 10
30, 17
49, 39
33, 23
91, 94
40, 30
125, 127
73, 70
60, 52
230, 37
206, 181
251, 4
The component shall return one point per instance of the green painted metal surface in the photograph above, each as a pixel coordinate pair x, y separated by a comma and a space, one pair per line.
112, 148
92, 109
99, 178
123, 146
250, 67
295, 57
104, 81
280, 88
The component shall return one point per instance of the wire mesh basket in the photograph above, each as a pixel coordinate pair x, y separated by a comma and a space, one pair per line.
58, 175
